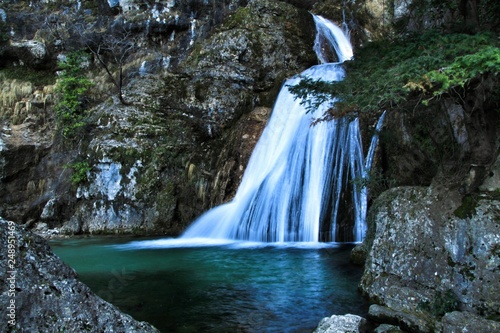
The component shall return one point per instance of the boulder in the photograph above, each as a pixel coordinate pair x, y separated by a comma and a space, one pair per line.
31, 53
408, 321
342, 324
39, 293
432, 252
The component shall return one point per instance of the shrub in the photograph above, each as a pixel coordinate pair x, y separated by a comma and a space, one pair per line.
72, 88
80, 170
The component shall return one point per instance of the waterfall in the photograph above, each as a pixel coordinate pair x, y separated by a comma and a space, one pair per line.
297, 179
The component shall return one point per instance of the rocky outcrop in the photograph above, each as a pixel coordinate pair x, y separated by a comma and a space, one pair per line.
243, 64
432, 253
30, 170
39, 293
32, 53
432, 242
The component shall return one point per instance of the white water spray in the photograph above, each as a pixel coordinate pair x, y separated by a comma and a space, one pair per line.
297, 175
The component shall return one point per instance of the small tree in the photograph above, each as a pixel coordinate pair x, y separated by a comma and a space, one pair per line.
112, 51
72, 87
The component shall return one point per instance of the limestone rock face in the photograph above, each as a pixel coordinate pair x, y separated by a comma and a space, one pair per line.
128, 151
28, 166
432, 253
174, 150
44, 294
243, 64
235, 154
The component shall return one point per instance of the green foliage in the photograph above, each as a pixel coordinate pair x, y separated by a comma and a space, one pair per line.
314, 92
404, 72
463, 69
73, 87
80, 170
240, 18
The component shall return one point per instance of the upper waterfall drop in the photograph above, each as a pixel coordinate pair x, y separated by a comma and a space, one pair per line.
294, 183
330, 39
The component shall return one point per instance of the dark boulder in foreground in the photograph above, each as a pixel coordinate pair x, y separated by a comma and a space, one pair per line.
39, 293
433, 260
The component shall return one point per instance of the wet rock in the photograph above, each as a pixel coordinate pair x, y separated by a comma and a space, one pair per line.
238, 146
359, 254
44, 294
386, 328
342, 324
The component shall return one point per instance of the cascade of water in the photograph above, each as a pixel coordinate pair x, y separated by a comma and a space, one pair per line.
362, 199
331, 41
143, 69
192, 28
165, 62
296, 180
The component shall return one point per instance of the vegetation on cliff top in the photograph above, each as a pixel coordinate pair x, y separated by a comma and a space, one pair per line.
429, 50
403, 72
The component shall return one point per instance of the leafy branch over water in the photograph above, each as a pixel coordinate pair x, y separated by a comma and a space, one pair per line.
404, 72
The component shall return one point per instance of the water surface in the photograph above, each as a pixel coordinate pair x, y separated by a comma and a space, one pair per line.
218, 286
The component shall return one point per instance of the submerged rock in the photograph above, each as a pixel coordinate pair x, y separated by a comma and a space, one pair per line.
39, 293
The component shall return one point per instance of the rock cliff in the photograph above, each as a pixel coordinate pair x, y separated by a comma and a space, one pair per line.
153, 154
432, 260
